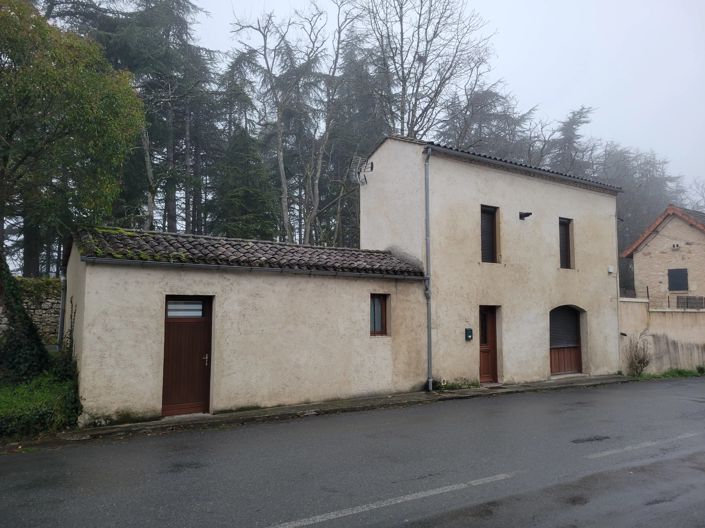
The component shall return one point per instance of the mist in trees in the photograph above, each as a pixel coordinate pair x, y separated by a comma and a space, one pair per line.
263, 141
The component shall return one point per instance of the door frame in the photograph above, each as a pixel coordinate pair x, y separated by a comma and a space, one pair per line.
491, 312
188, 408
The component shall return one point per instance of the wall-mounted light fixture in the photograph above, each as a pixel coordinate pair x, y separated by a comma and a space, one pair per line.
524, 215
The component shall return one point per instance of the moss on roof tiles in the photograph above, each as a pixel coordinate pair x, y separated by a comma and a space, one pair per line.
118, 244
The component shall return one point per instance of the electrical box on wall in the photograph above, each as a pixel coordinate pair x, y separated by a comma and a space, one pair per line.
468, 334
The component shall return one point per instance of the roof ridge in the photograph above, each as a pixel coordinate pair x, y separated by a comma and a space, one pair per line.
514, 163
522, 165
233, 239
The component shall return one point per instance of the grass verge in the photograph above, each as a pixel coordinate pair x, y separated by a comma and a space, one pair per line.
675, 373
456, 384
44, 404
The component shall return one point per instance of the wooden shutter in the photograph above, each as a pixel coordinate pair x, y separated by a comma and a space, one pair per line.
564, 241
565, 327
678, 279
488, 233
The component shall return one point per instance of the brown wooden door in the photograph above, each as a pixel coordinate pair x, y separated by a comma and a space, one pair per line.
187, 355
566, 360
566, 356
488, 344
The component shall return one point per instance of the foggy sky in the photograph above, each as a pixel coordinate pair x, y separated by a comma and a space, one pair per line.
639, 63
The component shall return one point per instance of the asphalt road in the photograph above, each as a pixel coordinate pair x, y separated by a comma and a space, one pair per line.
618, 455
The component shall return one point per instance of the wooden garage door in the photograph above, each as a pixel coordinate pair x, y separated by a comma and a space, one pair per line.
187, 351
566, 357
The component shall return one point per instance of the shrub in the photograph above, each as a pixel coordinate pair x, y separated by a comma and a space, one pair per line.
700, 369
22, 353
44, 404
638, 357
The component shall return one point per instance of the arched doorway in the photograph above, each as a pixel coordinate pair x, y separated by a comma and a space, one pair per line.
566, 356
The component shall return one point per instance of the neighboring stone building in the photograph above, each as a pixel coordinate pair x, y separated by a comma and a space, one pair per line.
522, 286
669, 260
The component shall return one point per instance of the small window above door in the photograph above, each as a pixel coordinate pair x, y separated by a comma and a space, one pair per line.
184, 309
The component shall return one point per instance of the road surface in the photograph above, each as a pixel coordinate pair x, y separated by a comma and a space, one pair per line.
619, 455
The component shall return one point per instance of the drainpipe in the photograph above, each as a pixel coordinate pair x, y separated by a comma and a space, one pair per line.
427, 277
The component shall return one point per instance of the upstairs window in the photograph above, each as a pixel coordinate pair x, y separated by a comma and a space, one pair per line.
678, 279
565, 226
488, 233
379, 304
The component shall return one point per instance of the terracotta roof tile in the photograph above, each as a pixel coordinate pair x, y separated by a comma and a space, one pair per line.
115, 244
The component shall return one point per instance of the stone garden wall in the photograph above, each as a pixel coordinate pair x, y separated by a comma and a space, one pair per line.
42, 300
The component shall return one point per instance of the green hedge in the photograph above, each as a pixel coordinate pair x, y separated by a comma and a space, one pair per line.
44, 404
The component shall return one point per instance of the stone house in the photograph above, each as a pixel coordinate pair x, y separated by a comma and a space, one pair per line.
524, 258
473, 268
668, 260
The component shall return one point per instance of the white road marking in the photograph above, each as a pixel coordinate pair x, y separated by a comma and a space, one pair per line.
642, 445
391, 502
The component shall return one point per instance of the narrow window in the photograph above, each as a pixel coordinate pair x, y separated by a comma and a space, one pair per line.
488, 233
564, 228
678, 279
378, 314
184, 309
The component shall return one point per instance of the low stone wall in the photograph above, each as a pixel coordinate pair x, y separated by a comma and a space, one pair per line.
42, 300
674, 338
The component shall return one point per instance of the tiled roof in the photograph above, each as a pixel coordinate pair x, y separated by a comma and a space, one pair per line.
697, 215
510, 165
116, 245
695, 219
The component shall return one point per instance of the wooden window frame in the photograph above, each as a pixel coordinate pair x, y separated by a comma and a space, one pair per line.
484, 209
384, 298
568, 222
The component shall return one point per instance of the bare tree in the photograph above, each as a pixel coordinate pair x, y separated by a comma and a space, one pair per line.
271, 57
426, 50
295, 61
696, 195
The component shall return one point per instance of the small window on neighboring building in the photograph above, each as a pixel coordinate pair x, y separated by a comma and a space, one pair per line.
378, 314
488, 233
564, 232
678, 279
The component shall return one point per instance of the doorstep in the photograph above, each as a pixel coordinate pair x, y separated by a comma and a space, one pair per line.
289, 412
572, 375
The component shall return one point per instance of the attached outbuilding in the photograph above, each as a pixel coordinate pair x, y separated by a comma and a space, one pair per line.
169, 323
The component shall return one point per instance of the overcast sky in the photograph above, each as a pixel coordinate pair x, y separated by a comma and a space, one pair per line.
639, 63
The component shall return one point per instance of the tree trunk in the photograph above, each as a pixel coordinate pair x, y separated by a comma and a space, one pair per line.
49, 253
196, 212
170, 188
31, 248
284, 199
315, 187
151, 187
188, 163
